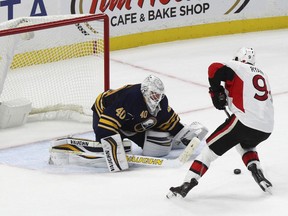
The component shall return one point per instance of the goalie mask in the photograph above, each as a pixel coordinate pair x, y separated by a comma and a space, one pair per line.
245, 55
152, 89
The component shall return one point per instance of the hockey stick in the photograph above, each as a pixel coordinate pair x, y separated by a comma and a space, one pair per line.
71, 143
227, 113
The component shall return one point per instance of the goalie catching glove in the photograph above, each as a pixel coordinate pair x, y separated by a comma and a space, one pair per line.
218, 97
187, 133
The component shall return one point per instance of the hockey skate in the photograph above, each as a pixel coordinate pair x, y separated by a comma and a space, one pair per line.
258, 176
182, 190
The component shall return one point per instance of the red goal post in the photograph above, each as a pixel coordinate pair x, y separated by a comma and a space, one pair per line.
59, 63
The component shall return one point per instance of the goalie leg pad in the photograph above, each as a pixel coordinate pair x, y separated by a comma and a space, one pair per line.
127, 145
114, 153
86, 145
58, 159
76, 152
157, 144
79, 151
65, 158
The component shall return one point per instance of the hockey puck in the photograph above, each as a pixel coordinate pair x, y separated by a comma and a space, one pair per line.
237, 171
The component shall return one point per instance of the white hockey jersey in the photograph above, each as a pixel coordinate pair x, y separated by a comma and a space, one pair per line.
249, 96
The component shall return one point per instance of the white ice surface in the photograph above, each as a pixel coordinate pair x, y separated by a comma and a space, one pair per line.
28, 186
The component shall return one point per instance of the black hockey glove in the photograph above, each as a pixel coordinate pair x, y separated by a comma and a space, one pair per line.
219, 98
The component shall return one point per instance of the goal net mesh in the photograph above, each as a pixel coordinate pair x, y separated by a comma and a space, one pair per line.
59, 63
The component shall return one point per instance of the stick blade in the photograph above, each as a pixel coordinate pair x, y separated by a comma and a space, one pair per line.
189, 150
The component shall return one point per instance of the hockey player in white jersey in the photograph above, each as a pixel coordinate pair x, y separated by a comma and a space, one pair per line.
248, 96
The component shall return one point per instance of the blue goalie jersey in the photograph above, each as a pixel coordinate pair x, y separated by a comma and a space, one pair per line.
124, 111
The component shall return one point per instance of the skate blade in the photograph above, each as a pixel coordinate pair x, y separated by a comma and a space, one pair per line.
267, 188
172, 195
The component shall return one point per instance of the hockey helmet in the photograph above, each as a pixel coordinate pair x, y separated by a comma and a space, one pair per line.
152, 89
245, 55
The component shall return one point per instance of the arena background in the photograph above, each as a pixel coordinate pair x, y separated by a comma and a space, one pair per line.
143, 22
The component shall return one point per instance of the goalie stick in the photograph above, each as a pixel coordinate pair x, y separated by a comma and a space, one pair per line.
91, 149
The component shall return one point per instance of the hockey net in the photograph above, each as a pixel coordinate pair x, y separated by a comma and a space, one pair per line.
59, 63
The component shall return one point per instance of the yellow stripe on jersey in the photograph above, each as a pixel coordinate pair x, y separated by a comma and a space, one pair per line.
111, 119
170, 124
108, 128
108, 123
174, 124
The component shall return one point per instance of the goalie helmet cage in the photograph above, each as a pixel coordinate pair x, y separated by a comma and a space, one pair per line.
59, 63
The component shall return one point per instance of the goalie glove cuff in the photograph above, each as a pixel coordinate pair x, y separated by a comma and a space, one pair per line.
187, 133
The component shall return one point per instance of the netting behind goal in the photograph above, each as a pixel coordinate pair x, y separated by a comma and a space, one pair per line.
59, 63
